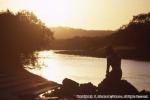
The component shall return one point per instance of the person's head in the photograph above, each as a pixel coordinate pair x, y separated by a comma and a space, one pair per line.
109, 50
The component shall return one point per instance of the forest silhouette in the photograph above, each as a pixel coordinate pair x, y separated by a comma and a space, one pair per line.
130, 41
135, 34
21, 34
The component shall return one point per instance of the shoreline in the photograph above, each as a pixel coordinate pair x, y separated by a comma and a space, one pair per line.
97, 54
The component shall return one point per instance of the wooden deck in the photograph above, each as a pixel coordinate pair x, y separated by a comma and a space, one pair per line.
13, 87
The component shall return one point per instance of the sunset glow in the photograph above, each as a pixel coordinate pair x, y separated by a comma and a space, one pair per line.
58, 66
74, 49
86, 14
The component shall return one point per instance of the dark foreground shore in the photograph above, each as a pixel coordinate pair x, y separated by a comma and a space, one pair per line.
71, 90
22, 85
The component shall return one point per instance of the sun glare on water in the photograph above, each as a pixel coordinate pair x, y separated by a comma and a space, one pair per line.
56, 67
51, 69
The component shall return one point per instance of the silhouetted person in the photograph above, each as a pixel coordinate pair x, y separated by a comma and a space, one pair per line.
114, 61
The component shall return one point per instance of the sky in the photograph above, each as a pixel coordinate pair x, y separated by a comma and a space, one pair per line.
85, 14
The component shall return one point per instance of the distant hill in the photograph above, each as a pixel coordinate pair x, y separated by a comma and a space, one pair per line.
66, 32
130, 41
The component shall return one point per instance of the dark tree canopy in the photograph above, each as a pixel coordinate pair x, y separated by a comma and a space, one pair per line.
21, 34
135, 34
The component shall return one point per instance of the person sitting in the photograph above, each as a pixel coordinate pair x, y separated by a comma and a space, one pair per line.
113, 60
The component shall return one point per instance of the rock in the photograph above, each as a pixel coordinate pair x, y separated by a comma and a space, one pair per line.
87, 88
116, 87
144, 92
69, 87
70, 83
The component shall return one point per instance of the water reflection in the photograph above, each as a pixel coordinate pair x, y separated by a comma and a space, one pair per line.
89, 69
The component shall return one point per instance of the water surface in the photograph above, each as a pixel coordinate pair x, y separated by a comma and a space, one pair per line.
89, 69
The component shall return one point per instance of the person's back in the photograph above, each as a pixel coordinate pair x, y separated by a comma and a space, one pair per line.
114, 61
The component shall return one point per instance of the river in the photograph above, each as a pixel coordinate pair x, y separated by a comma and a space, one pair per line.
83, 69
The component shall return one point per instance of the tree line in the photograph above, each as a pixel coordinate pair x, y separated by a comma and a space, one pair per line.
21, 34
131, 40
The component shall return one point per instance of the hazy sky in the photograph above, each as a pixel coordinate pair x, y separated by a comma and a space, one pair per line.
87, 14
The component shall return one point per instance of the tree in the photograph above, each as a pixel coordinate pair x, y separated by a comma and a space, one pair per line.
135, 34
21, 35
137, 31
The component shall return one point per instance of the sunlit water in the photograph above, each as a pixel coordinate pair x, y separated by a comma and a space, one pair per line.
90, 69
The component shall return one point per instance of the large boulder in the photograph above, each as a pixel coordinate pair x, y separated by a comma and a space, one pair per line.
87, 88
116, 87
69, 87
